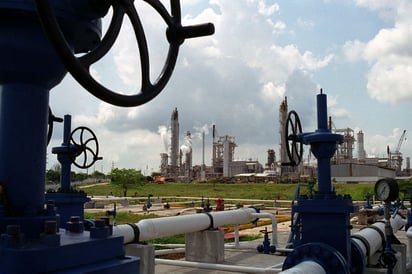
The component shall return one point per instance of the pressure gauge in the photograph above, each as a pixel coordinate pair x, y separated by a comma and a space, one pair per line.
387, 190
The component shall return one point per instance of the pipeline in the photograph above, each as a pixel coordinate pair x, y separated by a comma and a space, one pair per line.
409, 249
305, 267
223, 267
366, 243
149, 229
371, 239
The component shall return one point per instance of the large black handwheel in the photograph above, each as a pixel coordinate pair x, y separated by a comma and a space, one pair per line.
86, 146
294, 148
79, 66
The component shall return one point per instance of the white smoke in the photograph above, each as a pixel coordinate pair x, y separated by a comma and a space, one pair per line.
187, 145
165, 136
200, 130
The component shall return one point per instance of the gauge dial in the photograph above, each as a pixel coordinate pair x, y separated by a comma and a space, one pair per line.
386, 190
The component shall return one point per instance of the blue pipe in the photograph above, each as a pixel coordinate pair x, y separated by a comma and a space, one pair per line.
321, 100
23, 129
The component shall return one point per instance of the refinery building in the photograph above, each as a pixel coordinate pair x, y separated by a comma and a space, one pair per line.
176, 164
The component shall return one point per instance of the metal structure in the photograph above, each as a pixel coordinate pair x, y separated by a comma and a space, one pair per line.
283, 113
79, 147
32, 63
361, 147
344, 153
187, 151
223, 154
325, 209
174, 145
395, 157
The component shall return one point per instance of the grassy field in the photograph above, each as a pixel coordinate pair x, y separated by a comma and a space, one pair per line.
260, 191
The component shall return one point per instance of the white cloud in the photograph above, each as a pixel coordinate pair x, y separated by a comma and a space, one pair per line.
376, 145
234, 79
272, 93
339, 113
389, 53
353, 50
390, 82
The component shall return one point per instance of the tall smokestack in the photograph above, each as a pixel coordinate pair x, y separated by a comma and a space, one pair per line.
361, 148
214, 133
188, 156
203, 148
283, 112
174, 147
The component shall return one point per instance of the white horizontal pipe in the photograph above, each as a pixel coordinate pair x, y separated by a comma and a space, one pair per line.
409, 249
373, 237
305, 267
230, 246
168, 226
223, 267
170, 251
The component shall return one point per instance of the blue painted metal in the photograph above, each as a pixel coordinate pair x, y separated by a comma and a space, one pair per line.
148, 202
409, 218
368, 204
388, 258
69, 201
266, 247
29, 233
324, 217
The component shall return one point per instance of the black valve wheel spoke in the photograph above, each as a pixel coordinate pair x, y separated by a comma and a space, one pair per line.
86, 147
79, 67
294, 148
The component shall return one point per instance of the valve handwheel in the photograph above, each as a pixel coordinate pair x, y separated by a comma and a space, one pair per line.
79, 66
294, 148
87, 147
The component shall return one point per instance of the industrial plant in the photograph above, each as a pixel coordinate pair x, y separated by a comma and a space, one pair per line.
47, 231
177, 164
176, 161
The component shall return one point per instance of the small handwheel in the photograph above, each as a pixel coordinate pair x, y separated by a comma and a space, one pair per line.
79, 68
294, 148
86, 146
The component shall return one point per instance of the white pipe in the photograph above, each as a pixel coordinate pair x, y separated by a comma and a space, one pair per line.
372, 236
231, 246
278, 249
149, 229
170, 251
409, 249
223, 267
274, 225
236, 235
305, 267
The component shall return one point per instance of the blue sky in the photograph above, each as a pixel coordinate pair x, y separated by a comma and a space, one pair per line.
358, 51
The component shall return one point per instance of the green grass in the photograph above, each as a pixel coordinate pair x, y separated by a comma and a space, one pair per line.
260, 191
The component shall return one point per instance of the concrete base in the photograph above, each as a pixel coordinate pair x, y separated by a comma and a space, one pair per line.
146, 254
206, 246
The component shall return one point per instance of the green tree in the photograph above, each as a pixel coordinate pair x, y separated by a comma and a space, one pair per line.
78, 176
404, 188
52, 176
98, 175
127, 177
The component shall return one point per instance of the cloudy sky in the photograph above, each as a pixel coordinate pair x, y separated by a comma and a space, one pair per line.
358, 51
